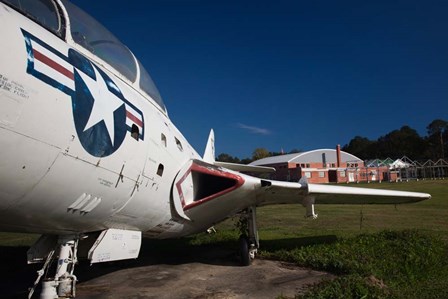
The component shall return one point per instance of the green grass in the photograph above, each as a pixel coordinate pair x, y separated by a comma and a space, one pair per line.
17, 239
389, 264
347, 220
377, 251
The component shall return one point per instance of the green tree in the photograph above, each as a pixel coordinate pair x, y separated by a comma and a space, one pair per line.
437, 138
395, 144
223, 157
246, 161
403, 142
260, 153
295, 151
361, 147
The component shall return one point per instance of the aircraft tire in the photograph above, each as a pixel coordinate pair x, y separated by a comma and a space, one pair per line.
243, 253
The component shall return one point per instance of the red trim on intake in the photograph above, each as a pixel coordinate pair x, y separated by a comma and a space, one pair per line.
210, 170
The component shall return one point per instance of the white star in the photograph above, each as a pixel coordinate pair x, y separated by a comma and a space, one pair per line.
104, 105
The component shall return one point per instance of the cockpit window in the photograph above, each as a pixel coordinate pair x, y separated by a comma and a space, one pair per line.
91, 35
43, 12
148, 86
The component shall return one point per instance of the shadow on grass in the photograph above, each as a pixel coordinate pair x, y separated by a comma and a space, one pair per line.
16, 276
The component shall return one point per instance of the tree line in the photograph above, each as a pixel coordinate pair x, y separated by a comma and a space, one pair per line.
257, 154
404, 142
395, 144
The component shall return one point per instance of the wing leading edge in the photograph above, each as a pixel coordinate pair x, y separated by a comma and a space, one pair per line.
276, 192
328, 194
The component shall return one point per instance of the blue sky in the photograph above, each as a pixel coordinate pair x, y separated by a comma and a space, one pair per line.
288, 74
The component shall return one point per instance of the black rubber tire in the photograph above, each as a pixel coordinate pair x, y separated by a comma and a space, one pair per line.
243, 244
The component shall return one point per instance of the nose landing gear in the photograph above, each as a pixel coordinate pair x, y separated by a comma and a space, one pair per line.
62, 285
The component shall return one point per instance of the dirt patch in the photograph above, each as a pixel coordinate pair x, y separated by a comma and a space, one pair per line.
217, 278
177, 271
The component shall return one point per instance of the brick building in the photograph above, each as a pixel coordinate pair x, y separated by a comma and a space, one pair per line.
323, 166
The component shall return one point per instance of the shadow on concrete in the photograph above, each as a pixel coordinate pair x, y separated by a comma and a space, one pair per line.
16, 276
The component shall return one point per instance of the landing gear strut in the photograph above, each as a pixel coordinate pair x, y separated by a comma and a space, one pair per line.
248, 242
62, 285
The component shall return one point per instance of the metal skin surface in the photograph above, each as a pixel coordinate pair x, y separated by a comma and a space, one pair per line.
44, 166
62, 173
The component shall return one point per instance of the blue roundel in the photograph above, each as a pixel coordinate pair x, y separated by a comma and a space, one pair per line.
101, 113
99, 108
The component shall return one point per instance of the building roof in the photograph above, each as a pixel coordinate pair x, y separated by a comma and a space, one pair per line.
308, 157
379, 162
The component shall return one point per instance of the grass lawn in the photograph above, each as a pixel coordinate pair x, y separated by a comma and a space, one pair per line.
378, 251
347, 220
409, 261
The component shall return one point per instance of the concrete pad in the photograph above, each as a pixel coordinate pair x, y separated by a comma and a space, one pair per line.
168, 269
263, 279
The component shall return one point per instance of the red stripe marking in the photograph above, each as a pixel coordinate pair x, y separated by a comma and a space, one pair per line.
134, 119
214, 171
53, 64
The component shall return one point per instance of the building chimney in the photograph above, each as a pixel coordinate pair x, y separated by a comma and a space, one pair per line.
338, 155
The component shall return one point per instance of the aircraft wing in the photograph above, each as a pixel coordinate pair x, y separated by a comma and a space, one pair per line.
277, 192
207, 191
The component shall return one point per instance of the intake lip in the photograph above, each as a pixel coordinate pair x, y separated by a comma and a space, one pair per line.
203, 182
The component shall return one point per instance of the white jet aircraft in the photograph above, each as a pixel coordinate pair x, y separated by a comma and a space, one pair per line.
89, 153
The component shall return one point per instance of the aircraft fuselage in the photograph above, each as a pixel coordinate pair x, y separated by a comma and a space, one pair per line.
70, 159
